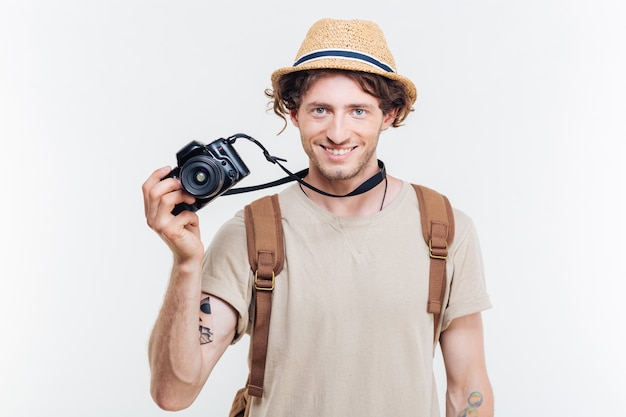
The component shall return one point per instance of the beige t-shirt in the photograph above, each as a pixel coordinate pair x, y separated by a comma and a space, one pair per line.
349, 332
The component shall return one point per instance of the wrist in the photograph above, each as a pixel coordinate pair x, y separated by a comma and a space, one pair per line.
187, 265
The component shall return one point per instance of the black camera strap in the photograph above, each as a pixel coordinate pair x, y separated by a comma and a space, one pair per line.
370, 183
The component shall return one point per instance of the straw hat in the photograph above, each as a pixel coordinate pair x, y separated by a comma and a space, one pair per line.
353, 45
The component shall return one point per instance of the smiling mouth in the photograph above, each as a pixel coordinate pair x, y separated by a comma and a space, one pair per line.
338, 151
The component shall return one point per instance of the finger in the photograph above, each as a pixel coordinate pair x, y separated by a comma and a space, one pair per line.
153, 179
175, 229
156, 176
163, 197
169, 200
154, 196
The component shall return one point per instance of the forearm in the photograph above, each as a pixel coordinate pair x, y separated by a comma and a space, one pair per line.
469, 392
174, 350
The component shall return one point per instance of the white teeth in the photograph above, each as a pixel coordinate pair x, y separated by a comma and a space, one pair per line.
338, 151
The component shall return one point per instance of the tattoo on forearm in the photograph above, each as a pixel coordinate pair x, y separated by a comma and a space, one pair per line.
474, 400
206, 335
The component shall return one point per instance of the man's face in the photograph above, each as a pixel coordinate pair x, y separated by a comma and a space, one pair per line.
339, 127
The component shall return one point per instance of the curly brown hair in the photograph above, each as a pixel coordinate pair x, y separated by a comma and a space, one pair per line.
290, 88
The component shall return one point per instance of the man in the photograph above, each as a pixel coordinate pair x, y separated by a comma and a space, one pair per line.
349, 332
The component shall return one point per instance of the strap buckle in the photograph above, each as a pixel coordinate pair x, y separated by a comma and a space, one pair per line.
260, 285
442, 253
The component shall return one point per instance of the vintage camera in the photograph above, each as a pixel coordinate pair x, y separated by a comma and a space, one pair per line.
207, 171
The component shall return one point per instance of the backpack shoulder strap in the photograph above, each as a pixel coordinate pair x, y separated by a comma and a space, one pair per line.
437, 220
266, 253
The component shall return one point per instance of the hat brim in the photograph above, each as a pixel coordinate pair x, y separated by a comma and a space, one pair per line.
346, 65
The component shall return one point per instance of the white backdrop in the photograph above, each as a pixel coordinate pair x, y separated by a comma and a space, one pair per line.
520, 121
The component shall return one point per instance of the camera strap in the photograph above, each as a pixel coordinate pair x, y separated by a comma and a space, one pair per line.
370, 183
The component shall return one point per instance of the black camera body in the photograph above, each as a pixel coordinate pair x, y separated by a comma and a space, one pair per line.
207, 171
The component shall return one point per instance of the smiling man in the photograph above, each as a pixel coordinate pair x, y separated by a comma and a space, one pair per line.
350, 334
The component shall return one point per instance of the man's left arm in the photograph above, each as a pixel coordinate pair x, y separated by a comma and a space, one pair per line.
469, 391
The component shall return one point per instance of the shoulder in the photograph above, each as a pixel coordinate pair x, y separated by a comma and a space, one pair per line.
229, 236
463, 224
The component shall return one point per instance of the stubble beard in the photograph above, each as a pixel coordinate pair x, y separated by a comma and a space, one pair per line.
343, 173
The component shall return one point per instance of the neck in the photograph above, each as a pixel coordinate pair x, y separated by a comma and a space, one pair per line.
359, 184
365, 204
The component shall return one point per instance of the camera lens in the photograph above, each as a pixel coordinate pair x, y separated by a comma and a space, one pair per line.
201, 176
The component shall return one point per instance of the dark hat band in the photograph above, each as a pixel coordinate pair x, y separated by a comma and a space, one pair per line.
342, 53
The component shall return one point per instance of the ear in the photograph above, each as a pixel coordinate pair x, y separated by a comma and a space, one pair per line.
293, 115
388, 119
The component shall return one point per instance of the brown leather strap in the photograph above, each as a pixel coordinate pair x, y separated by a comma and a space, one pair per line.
264, 233
438, 230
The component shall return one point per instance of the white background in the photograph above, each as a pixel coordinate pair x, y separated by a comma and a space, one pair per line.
520, 121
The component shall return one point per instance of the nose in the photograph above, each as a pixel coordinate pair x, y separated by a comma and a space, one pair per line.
338, 131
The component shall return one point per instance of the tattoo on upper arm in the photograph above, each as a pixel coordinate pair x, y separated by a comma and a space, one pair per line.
206, 335
474, 400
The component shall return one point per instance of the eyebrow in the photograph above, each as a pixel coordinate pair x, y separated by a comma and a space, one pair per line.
316, 104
